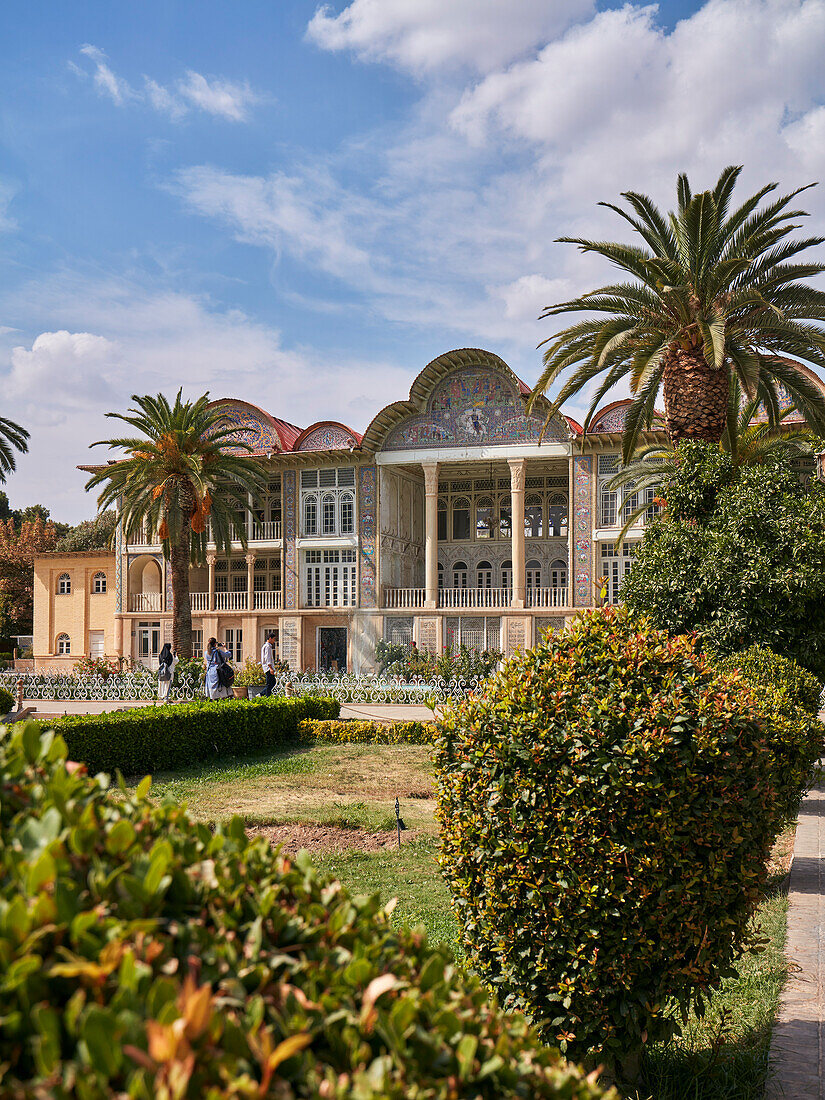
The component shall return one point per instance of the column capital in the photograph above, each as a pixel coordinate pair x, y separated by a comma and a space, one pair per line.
250, 558
211, 559
430, 477
518, 468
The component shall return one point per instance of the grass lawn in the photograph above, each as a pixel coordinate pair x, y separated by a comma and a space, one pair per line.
720, 1057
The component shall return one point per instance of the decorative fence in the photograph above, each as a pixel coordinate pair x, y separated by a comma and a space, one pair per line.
144, 685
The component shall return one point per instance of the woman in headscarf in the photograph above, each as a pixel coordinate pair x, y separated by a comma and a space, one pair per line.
166, 672
214, 657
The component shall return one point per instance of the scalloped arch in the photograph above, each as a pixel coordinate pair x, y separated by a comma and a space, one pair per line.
264, 433
326, 435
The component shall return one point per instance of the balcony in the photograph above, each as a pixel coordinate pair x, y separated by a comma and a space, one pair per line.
546, 597
145, 601
475, 597
199, 601
231, 601
266, 532
404, 598
411, 599
266, 601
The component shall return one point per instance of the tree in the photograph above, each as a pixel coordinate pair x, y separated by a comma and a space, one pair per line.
712, 296
18, 547
12, 438
738, 556
181, 473
90, 534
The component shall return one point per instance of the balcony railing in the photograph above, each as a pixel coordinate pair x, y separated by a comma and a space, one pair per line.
199, 601
231, 601
266, 532
474, 597
404, 597
410, 599
547, 597
145, 601
267, 601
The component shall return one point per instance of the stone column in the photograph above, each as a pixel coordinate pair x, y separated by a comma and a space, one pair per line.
250, 581
431, 534
517, 474
210, 562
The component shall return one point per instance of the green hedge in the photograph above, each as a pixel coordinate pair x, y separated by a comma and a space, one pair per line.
761, 667
152, 739
7, 704
347, 729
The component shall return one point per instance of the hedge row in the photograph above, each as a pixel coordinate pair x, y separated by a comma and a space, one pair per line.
152, 739
761, 667
348, 730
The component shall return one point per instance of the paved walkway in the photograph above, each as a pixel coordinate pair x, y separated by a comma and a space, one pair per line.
798, 1042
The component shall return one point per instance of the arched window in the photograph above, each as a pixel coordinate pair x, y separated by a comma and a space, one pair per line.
461, 519
484, 518
441, 533
311, 514
328, 513
347, 513
533, 574
440, 575
558, 574
507, 574
484, 575
460, 574
533, 526
99, 583
557, 515
64, 644
64, 584
505, 517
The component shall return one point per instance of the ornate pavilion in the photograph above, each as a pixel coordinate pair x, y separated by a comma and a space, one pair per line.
457, 518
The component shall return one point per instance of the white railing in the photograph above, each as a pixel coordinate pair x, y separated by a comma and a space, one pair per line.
199, 601
474, 597
143, 537
404, 597
547, 597
266, 532
145, 601
266, 601
231, 601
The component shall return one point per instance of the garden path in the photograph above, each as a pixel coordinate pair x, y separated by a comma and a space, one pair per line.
798, 1042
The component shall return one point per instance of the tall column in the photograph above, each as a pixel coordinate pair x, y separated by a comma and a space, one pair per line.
210, 562
431, 534
250, 581
517, 473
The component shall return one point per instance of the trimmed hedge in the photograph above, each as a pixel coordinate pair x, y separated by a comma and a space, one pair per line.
152, 739
145, 955
348, 729
7, 703
763, 668
606, 811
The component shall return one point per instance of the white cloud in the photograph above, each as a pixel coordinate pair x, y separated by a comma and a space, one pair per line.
424, 35
214, 96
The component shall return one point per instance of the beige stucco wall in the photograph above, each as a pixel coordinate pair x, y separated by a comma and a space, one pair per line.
76, 613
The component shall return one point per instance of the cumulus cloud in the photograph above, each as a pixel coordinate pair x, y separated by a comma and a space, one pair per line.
214, 96
421, 36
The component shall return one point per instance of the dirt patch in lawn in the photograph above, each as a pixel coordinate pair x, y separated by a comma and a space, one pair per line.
328, 838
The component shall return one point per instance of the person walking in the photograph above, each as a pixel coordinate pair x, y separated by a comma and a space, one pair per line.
167, 662
268, 661
216, 656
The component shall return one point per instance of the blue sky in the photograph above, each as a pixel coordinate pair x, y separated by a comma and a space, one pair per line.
302, 206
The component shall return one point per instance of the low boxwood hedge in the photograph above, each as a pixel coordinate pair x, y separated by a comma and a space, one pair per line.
761, 667
349, 729
147, 956
151, 739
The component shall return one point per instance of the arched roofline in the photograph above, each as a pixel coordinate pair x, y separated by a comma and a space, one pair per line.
428, 379
605, 410
285, 437
325, 424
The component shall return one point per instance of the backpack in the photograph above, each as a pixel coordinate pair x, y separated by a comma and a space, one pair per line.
165, 671
226, 673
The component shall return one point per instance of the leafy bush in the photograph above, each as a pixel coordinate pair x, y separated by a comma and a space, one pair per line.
7, 702
409, 662
148, 739
347, 729
148, 956
606, 810
750, 571
96, 666
762, 668
190, 668
250, 674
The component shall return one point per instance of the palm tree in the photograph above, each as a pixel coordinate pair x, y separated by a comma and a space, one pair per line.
750, 442
180, 473
12, 438
712, 295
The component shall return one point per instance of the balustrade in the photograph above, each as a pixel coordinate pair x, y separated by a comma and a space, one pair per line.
199, 601
145, 601
269, 531
547, 597
404, 597
231, 601
474, 597
267, 601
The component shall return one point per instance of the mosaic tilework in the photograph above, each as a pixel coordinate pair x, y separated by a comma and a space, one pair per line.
582, 529
290, 530
613, 420
119, 570
328, 438
252, 430
168, 605
785, 401
473, 407
367, 500
289, 643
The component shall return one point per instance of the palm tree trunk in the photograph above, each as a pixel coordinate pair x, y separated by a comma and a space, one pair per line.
696, 396
181, 608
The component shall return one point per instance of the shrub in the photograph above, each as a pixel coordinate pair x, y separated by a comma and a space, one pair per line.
605, 812
7, 703
346, 730
250, 674
148, 956
762, 668
148, 739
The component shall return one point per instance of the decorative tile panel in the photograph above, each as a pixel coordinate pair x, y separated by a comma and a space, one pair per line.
583, 529
119, 570
515, 636
473, 407
328, 437
290, 651
428, 635
367, 501
250, 429
290, 530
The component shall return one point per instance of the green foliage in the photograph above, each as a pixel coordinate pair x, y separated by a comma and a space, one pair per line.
379, 733
149, 739
762, 668
191, 667
409, 663
7, 703
700, 472
91, 534
250, 674
752, 572
606, 809
148, 956
386, 653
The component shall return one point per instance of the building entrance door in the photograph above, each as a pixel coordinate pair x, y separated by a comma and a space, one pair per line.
332, 648
96, 644
148, 640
